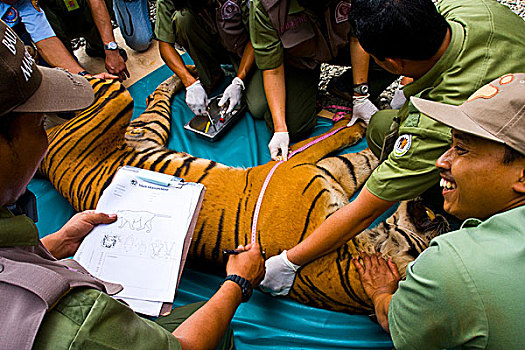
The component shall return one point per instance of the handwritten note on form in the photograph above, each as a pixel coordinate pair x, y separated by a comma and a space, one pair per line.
146, 247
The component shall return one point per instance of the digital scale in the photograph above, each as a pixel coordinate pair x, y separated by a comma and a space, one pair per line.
215, 122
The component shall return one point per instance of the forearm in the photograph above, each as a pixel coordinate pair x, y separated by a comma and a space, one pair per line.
340, 227
275, 90
247, 62
360, 61
56, 55
102, 20
56, 245
171, 57
205, 328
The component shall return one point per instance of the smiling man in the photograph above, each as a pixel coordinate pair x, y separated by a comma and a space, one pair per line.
464, 291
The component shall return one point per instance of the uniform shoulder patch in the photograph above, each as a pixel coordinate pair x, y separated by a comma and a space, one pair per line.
402, 145
35, 5
341, 12
230, 9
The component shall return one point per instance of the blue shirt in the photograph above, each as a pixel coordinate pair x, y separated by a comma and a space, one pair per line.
30, 15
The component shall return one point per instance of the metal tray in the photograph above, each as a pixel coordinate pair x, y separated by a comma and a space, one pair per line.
201, 125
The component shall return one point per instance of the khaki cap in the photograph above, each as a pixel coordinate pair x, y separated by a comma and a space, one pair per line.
495, 112
26, 87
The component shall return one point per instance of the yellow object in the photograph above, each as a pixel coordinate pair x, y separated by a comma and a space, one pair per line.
207, 128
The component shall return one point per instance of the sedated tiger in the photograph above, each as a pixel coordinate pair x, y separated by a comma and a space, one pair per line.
85, 153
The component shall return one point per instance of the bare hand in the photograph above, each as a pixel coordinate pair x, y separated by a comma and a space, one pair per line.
378, 276
115, 64
249, 265
65, 242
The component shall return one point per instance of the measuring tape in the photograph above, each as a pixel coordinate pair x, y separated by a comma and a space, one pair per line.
272, 171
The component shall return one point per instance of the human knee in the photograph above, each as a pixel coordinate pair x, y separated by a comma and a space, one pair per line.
377, 128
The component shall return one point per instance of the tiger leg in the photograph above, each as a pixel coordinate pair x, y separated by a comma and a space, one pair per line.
350, 170
154, 124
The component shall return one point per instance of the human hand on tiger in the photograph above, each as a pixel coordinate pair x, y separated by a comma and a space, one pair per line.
378, 276
233, 94
249, 264
280, 275
196, 98
279, 142
65, 242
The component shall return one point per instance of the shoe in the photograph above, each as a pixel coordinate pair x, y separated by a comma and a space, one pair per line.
342, 86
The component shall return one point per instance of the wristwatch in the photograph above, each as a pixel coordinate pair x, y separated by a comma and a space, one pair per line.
111, 46
361, 89
246, 286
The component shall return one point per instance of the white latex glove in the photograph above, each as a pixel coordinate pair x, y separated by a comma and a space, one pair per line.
363, 109
233, 94
196, 98
279, 141
399, 98
280, 274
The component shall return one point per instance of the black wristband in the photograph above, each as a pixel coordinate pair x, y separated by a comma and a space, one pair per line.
246, 286
83, 73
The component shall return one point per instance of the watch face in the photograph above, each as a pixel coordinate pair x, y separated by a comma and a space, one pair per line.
361, 89
111, 46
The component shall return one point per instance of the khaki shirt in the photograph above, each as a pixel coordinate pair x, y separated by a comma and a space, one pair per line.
466, 290
85, 318
487, 41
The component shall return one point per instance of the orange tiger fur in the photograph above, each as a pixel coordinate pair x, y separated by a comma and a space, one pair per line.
85, 153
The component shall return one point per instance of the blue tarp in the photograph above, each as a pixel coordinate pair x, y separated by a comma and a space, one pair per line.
265, 322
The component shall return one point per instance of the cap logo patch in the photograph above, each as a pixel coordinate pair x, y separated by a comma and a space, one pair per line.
9, 40
506, 79
486, 92
402, 145
341, 12
229, 9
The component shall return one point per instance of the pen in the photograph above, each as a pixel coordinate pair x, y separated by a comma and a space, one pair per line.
232, 251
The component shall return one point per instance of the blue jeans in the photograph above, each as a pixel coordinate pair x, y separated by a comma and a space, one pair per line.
133, 20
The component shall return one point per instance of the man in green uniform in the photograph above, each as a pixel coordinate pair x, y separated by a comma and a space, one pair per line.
213, 33
450, 53
47, 303
464, 290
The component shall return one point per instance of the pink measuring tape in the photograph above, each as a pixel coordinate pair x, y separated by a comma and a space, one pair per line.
339, 115
270, 174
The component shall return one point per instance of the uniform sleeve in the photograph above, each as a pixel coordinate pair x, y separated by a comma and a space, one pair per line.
89, 319
164, 30
34, 20
438, 305
410, 169
267, 46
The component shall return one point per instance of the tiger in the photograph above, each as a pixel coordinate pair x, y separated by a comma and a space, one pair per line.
85, 152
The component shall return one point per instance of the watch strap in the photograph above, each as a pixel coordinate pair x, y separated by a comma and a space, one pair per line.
361, 89
246, 286
112, 45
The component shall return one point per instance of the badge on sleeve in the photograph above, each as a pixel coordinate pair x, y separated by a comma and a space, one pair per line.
402, 145
35, 5
11, 16
341, 12
71, 5
230, 9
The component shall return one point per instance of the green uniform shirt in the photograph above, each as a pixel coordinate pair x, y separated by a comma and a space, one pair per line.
466, 290
165, 24
85, 318
266, 42
487, 41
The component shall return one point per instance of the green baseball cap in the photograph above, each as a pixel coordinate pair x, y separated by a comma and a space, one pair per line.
26, 87
495, 112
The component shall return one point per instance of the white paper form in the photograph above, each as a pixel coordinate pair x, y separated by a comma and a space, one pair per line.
142, 250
